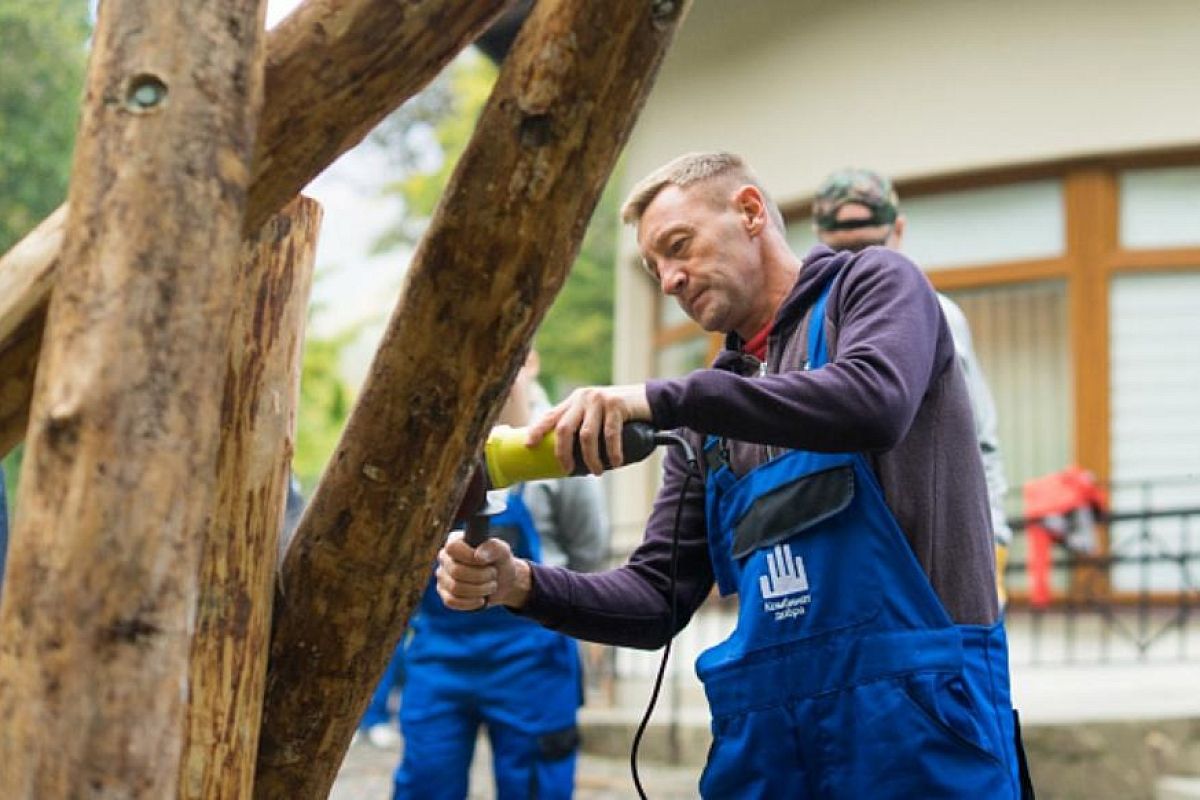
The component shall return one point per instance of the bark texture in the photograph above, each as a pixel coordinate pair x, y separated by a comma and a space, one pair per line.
237, 562
335, 68
495, 255
118, 477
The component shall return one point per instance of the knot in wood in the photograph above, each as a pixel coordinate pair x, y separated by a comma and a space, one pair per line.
145, 93
374, 473
62, 428
536, 130
664, 11
130, 630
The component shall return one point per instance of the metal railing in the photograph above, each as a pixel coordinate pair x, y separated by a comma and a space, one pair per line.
1134, 601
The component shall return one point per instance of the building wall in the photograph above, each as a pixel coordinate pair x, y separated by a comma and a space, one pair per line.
921, 87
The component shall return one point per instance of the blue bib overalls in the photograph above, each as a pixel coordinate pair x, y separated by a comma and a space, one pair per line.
845, 677
493, 668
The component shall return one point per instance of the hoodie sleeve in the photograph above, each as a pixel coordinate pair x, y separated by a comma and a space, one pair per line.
887, 324
630, 606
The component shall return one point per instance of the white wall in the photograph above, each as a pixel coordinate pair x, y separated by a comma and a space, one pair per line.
913, 88
921, 87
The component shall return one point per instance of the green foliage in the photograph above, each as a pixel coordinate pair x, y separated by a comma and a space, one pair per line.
324, 405
42, 61
425, 139
575, 339
12, 472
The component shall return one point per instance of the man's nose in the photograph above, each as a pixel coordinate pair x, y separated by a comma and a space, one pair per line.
672, 281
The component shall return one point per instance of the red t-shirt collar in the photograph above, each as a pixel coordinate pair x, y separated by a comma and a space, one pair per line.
757, 345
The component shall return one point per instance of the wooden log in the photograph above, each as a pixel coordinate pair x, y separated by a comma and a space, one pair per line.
497, 251
237, 563
118, 478
27, 273
334, 70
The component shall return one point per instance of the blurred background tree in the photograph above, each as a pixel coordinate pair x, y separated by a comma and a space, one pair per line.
43, 54
325, 401
43, 50
424, 139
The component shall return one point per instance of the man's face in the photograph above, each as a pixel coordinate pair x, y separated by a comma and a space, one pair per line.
858, 238
703, 253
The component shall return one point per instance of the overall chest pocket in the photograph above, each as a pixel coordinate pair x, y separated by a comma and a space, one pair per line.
809, 555
792, 508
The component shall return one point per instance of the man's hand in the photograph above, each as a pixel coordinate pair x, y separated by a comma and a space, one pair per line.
593, 413
469, 579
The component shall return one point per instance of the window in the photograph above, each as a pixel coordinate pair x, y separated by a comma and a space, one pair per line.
1155, 379
1001, 223
1160, 207
1021, 337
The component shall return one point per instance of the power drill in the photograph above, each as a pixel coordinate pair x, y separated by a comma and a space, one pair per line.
506, 461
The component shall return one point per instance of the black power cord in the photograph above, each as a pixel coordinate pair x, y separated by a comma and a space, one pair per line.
670, 438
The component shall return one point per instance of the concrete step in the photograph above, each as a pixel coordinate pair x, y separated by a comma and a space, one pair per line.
682, 739
1177, 787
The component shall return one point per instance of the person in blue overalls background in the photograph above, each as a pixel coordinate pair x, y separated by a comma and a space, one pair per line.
497, 670
838, 491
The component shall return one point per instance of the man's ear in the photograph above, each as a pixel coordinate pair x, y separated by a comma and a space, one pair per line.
896, 239
752, 207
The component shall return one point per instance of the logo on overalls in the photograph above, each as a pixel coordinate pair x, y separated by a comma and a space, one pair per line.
785, 586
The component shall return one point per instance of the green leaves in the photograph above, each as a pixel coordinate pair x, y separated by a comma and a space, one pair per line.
575, 339
425, 139
324, 405
42, 62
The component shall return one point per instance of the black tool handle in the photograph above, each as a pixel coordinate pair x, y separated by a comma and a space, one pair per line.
637, 442
477, 530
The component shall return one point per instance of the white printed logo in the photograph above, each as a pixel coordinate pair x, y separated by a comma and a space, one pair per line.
785, 586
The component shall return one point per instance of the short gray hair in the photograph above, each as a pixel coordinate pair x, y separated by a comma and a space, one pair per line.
690, 169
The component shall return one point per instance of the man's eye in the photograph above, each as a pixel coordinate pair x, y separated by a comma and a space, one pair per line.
677, 246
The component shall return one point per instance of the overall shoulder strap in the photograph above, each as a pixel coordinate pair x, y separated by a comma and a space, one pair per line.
818, 347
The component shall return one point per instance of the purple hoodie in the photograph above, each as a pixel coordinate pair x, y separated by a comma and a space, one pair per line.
892, 390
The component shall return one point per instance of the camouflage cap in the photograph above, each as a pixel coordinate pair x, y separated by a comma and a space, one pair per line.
861, 186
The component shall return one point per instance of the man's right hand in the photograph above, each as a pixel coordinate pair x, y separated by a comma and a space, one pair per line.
593, 413
471, 578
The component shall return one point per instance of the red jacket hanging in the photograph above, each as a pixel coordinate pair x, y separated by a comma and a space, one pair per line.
1063, 507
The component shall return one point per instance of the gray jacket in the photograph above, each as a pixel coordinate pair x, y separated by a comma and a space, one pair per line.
571, 521
984, 409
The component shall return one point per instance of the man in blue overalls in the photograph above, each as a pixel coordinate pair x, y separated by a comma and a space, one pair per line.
843, 500
499, 670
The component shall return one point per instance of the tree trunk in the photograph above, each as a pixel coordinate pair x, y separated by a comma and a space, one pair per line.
237, 563
333, 71
119, 475
495, 255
